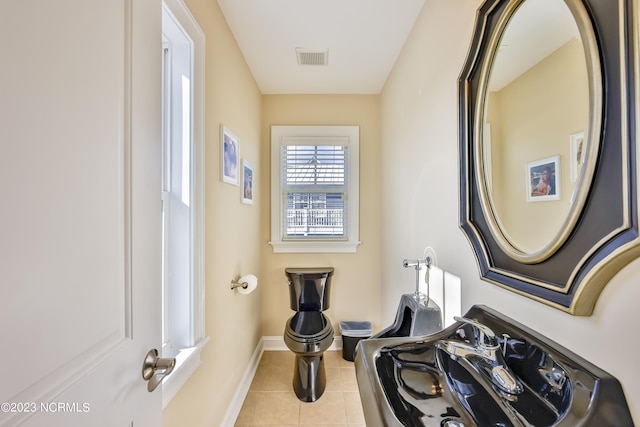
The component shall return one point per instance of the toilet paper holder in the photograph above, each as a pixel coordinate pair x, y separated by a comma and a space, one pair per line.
245, 284
235, 283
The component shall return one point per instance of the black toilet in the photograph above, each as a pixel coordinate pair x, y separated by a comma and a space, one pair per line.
309, 333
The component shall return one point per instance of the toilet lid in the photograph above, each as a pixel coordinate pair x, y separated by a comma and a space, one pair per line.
308, 322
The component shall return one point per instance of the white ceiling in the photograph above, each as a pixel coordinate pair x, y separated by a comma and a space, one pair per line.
364, 38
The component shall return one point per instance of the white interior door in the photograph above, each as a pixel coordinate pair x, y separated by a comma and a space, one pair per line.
80, 220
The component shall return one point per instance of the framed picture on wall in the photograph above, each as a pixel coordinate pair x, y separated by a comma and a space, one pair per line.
543, 180
229, 156
247, 183
576, 154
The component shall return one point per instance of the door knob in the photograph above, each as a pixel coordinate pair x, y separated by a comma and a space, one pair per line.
155, 368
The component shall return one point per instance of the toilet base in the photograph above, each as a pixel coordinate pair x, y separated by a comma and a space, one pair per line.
309, 377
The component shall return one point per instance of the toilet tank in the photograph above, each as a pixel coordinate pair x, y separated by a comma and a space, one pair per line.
309, 288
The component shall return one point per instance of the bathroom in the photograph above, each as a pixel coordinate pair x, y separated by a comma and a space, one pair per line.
409, 200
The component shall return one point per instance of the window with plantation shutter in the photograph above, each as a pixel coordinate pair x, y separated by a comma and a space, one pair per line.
314, 188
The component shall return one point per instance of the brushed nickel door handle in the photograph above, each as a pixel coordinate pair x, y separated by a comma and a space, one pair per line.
155, 368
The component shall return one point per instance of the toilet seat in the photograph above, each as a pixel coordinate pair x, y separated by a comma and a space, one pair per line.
305, 323
308, 332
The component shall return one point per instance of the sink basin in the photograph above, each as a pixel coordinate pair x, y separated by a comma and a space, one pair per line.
416, 382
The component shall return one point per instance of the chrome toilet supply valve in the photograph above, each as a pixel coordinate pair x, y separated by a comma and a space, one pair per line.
418, 264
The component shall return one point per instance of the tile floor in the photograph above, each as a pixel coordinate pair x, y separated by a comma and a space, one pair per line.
272, 402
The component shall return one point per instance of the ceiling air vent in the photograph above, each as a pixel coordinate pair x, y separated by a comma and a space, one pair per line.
312, 56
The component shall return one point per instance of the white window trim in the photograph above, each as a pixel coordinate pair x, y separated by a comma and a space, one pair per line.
188, 359
278, 136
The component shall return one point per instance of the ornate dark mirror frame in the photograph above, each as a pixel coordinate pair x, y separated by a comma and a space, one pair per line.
605, 236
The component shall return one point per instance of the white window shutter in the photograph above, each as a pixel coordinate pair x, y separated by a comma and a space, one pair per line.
315, 188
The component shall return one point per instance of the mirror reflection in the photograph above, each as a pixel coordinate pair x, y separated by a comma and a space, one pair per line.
536, 116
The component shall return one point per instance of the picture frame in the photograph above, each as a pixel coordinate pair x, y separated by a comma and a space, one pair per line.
248, 180
543, 179
229, 156
577, 153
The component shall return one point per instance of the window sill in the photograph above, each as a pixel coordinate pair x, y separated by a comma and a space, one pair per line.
187, 360
314, 247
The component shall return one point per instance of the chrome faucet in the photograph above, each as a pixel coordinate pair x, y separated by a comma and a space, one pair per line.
483, 354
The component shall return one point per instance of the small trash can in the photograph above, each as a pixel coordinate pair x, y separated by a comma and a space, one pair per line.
352, 333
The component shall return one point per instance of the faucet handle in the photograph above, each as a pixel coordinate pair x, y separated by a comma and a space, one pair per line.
485, 336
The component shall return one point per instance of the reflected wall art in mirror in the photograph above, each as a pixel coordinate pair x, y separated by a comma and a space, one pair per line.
548, 117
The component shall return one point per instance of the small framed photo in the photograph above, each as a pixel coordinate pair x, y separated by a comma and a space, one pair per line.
229, 157
543, 180
577, 152
247, 183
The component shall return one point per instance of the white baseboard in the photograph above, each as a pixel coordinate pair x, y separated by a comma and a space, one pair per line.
235, 406
274, 343
267, 343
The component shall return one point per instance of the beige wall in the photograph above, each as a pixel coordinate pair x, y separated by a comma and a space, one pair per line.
232, 248
419, 149
420, 200
355, 292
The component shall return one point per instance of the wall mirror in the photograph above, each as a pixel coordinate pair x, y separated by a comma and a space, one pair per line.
548, 192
